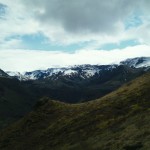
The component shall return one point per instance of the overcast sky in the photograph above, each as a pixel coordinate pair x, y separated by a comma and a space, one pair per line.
38, 34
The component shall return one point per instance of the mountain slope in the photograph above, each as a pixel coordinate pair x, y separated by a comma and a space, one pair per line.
15, 100
3, 74
118, 121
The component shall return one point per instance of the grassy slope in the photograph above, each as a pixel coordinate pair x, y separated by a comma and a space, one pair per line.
118, 121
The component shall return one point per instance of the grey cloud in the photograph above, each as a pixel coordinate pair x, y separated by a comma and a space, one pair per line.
77, 16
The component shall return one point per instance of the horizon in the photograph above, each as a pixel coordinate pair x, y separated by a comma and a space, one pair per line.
50, 33
71, 66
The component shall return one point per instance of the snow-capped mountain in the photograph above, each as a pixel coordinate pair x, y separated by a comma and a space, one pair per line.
17, 75
82, 71
137, 62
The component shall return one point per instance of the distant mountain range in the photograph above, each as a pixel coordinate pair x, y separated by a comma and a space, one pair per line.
81, 71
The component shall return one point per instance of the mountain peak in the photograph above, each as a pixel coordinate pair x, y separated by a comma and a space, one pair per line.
137, 62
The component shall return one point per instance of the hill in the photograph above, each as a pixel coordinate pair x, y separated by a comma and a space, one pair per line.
117, 121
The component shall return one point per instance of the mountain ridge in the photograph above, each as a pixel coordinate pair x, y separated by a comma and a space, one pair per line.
84, 71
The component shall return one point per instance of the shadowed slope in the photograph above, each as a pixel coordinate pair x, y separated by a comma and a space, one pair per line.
15, 100
118, 121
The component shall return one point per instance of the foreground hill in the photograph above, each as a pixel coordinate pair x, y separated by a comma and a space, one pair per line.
118, 121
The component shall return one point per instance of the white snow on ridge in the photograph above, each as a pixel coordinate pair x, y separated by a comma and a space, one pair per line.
144, 64
13, 73
90, 73
56, 70
31, 77
138, 62
17, 75
70, 72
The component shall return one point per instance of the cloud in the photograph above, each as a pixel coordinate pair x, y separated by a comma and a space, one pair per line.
27, 60
73, 21
9, 43
14, 22
83, 16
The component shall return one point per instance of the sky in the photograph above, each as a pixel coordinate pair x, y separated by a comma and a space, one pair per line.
39, 34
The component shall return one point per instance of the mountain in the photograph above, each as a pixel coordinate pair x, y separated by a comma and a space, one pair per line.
117, 121
82, 71
17, 75
3, 74
137, 62
15, 100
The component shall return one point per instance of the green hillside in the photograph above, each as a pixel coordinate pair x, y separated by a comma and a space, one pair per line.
118, 121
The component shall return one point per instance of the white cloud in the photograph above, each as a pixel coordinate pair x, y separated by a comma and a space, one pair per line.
27, 60
16, 21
